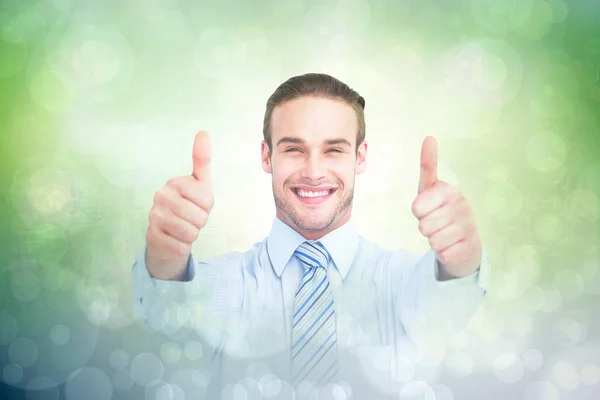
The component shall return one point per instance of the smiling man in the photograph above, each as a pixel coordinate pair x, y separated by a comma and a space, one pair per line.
314, 300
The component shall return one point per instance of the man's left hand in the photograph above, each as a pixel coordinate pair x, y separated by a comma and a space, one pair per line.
445, 219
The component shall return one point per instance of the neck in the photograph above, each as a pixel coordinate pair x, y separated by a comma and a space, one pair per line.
316, 234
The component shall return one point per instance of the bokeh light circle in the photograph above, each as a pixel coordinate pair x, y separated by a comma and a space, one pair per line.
541, 390
504, 201
193, 382
508, 368
547, 227
118, 359
23, 352
565, 374
42, 388
564, 370
332, 391
552, 301
90, 383
590, 374
160, 390
569, 283
170, 352
8, 328
88, 64
250, 387
442, 392
416, 390
546, 151
306, 390
234, 392
495, 348
271, 384
193, 350
26, 285
345, 386
201, 378
483, 73
93, 301
46, 351
57, 174
459, 364
60, 335
278, 389
55, 277
146, 367
12, 374
568, 331
49, 192
258, 370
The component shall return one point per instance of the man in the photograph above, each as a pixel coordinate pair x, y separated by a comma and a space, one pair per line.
314, 296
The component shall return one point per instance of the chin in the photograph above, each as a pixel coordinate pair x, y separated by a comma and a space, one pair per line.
313, 223
310, 217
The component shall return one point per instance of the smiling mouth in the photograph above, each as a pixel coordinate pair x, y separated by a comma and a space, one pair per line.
313, 197
308, 194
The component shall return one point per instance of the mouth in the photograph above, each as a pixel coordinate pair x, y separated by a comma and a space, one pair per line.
313, 195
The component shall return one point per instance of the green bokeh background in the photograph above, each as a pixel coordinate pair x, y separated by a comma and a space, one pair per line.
99, 103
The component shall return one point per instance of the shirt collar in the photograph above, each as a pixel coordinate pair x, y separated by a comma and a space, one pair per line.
284, 240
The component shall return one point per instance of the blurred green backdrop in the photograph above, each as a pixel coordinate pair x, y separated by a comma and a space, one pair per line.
99, 104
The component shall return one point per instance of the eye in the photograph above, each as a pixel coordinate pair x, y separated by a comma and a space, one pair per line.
291, 149
336, 150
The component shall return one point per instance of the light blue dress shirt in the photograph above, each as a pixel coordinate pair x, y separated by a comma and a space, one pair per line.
241, 303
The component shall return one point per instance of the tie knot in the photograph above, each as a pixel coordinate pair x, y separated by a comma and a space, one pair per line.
312, 254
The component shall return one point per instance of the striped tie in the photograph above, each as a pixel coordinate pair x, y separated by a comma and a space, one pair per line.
314, 352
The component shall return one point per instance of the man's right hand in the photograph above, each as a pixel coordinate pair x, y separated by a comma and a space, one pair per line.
180, 211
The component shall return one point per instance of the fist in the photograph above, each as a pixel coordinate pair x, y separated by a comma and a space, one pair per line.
181, 209
445, 219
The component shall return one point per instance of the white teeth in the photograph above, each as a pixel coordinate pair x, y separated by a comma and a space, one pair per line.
305, 193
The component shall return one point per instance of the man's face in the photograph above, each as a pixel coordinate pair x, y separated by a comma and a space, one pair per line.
313, 163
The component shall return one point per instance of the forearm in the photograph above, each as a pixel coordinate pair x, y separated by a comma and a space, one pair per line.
198, 304
434, 308
167, 270
154, 295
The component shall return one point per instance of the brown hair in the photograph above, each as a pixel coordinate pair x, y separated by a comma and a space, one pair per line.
312, 84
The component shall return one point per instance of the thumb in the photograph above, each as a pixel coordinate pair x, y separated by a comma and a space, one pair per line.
201, 156
429, 163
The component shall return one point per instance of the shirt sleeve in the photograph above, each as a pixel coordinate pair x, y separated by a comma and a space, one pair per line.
200, 304
430, 309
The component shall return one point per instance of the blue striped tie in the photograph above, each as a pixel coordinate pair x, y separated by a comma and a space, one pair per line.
314, 350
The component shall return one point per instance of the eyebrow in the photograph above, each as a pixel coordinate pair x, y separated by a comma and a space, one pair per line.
289, 139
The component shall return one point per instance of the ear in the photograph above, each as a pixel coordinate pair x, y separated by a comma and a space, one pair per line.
361, 158
266, 157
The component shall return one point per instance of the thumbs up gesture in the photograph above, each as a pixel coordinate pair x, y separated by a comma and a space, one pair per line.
445, 219
179, 212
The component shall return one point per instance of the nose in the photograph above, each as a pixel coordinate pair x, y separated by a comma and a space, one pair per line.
313, 167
